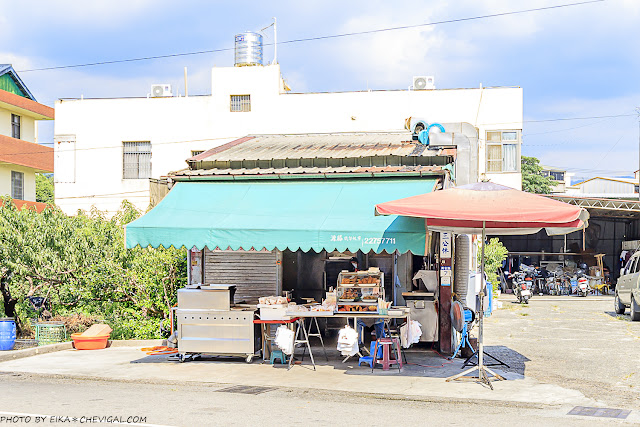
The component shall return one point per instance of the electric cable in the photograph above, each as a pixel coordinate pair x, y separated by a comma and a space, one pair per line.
316, 38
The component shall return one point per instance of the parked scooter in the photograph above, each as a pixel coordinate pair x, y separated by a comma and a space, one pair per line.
522, 284
583, 287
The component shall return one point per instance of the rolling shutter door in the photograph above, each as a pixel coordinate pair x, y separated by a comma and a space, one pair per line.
255, 273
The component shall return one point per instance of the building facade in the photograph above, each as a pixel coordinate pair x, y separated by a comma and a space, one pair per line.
108, 149
21, 157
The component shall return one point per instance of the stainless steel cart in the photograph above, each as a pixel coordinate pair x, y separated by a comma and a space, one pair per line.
208, 323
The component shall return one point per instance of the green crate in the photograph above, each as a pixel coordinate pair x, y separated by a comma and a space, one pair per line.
50, 333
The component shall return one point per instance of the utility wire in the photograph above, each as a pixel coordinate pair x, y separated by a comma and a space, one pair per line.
333, 36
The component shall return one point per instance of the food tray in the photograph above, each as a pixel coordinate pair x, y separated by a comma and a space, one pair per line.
346, 299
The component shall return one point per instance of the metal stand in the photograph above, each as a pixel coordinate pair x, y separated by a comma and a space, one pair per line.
316, 334
482, 368
497, 362
296, 341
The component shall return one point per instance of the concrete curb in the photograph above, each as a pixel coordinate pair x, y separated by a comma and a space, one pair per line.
34, 351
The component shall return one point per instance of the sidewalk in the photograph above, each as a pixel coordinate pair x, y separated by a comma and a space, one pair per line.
415, 382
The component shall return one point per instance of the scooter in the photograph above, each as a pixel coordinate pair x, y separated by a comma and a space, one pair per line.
583, 287
522, 286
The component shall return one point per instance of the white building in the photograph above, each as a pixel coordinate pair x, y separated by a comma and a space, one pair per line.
604, 187
107, 149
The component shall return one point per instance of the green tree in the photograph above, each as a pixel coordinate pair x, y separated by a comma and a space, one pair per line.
79, 263
44, 188
494, 253
532, 179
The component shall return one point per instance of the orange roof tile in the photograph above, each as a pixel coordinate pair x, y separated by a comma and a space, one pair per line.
23, 153
27, 106
21, 204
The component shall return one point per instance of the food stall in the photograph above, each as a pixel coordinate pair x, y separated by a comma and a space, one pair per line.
210, 323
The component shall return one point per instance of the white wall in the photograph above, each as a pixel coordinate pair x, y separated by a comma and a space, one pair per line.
29, 181
175, 126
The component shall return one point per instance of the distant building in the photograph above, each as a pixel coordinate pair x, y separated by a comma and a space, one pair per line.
604, 187
21, 157
561, 177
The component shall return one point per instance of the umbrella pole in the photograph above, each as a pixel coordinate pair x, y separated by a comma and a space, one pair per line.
482, 370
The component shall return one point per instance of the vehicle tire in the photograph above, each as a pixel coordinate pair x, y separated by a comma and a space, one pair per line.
618, 306
635, 310
526, 300
249, 359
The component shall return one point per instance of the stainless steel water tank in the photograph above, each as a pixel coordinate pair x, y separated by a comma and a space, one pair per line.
248, 49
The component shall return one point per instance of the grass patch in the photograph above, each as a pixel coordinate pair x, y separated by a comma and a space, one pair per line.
523, 314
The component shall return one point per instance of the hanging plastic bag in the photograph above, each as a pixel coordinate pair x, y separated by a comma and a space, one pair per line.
348, 341
284, 339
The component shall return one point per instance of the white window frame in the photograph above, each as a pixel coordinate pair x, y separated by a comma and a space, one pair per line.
136, 150
17, 185
240, 104
501, 143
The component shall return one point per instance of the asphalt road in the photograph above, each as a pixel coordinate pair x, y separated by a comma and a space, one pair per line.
574, 342
199, 405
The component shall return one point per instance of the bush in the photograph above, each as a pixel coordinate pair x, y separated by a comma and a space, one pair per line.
81, 266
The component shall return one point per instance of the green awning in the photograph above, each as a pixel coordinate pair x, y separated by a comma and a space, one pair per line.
298, 214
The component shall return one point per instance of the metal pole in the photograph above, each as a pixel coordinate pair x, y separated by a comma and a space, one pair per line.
482, 293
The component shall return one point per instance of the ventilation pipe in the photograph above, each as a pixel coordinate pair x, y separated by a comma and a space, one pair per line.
464, 137
461, 268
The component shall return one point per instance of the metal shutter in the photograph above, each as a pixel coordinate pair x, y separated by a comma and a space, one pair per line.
255, 273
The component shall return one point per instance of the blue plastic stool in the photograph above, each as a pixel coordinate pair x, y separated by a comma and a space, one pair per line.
369, 359
277, 354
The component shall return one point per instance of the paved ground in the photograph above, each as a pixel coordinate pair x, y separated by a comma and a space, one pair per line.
563, 352
579, 343
209, 405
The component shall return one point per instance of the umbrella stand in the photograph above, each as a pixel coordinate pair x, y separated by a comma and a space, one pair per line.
482, 369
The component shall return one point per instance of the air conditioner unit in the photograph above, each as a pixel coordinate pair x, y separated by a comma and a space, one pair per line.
158, 91
423, 82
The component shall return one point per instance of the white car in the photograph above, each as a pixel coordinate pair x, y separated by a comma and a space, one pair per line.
628, 290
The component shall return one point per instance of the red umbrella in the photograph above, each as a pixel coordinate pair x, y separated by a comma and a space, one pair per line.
499, 209
488, 208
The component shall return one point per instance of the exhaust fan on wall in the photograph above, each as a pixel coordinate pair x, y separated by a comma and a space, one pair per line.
158, 91
423, 82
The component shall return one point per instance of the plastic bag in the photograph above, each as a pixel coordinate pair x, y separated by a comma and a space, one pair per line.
284, 339
348, 341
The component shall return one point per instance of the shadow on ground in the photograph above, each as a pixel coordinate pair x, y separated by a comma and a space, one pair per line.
417, 362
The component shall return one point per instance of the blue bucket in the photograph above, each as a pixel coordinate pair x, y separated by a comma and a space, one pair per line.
7, 333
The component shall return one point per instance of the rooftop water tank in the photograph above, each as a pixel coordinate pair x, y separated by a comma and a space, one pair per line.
248, 49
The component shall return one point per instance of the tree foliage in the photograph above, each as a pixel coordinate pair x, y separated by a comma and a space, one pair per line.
532, 179
81, 265
494, 254
44, 188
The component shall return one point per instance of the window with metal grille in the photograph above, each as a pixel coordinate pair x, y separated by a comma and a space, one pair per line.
15, 126
136, 159
17, 185
241, 103
502, 151
196, 152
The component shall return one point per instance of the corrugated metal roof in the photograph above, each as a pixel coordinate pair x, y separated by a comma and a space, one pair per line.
309, 146
423, 170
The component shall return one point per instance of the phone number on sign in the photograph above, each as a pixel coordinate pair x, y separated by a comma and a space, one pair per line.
379, 241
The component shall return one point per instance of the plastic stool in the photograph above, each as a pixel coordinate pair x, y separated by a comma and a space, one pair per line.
277, 354
387, 361
369, 359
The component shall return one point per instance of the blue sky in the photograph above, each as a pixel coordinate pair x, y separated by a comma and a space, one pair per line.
580, 61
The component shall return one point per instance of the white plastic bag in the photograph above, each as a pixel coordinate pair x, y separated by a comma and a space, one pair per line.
348, 341
284, 339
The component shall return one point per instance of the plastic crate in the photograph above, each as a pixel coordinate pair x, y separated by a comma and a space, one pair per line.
50, 333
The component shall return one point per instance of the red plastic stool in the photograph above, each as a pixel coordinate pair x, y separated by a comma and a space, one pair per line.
387, 345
